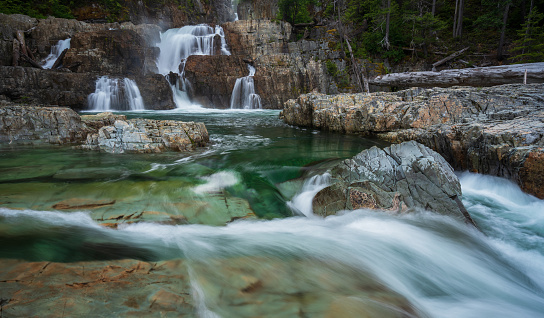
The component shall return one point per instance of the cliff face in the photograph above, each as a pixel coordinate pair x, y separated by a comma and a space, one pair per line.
496, 130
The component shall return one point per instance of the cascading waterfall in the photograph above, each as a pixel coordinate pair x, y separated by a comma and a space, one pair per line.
234, 5
56, 50
177, 45
115, 94
243, 94
302, 202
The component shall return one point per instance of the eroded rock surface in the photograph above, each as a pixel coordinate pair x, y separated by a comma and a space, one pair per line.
397, 178
148, 135
22, 124
494, 130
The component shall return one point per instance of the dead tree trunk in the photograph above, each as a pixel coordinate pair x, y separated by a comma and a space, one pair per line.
58, 62
31, 62
449, 58
480, 76
16, 53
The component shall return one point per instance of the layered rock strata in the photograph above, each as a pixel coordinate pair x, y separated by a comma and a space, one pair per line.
495, 130
67, 89
397, 178
104, 132
148, 135
57, 125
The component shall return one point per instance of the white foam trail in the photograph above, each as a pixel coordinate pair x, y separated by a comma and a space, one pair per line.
56, 50
217, 181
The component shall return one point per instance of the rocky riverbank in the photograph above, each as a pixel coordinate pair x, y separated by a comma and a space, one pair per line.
103, 132
495, 130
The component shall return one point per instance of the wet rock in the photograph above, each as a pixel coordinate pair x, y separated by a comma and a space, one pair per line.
494, 130
100, 120
9, 24
34, 124
147, 135
111, 52
31, 85
213, 77
397, 178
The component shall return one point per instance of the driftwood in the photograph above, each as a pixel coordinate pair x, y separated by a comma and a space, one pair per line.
31, 62
58, 62
16, 53
24, 49
479, 76
448, 58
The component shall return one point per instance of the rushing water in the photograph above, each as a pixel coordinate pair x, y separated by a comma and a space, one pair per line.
441, 266
177, 45
56, 50
243, 94
115, 94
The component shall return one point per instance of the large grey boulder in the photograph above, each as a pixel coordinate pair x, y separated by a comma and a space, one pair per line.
33, 124
398, 178
148, 135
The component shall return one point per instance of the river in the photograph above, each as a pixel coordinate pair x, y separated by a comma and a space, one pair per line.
440, 266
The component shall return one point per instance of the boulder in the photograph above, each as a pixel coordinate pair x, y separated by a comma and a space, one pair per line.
397, 178
34, 124
494, 130
148, 135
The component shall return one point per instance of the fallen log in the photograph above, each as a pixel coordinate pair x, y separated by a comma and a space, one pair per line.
31, 62
58, 62
448, 58
16, 53
479, 76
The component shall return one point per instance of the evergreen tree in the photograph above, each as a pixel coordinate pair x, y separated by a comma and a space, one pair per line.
530, 43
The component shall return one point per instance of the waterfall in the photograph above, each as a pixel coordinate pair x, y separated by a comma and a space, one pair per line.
56, 50
177, 45
302, 202
243, 94
115, 94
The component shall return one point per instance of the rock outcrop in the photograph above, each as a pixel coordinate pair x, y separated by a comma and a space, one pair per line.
496, 130
20, 124
148, 135
68, 89
111, 52
397, 178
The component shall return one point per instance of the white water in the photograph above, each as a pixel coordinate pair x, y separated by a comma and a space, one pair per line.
302, 201
243, 94
114, 94
56, 50
177, 45
443, 267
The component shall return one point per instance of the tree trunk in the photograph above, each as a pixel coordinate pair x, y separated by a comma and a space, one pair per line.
503, 31
385, 41
58, 62
433, 11
448, 58
480, 76
16, 53
458, 18
31, 62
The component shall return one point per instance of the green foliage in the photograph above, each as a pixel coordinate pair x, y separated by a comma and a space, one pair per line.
530, 42
294, 11
332, 69
37, 9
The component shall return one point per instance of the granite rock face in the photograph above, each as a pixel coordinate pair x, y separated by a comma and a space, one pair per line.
494, 130
397, 178
22, 124
147, 135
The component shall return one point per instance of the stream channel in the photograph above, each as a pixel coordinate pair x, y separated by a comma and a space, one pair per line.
241, 208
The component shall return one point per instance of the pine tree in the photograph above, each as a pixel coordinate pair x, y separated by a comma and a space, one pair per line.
530, 43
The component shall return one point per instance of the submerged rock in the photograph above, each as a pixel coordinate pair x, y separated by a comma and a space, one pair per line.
148, 135
397, 178
493, 130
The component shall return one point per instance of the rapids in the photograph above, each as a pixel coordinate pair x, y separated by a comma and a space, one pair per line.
441, 266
